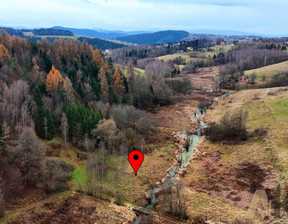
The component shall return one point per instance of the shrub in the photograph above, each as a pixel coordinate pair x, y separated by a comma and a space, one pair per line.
232, 127
106, 132
56, 174
179, 85
203, 105
278, 80
260, 132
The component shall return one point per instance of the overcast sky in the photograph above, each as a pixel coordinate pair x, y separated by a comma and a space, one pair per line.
253, 16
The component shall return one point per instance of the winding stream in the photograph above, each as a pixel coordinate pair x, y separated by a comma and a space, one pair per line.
186, 157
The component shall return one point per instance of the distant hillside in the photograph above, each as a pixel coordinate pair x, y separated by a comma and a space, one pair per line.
38, 32
52, 32
12, 31
99, 33
102, 44
90, 33
169, 36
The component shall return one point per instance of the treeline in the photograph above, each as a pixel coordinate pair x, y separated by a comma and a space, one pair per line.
50, 32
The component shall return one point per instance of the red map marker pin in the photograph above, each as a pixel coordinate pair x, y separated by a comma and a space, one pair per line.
135, 158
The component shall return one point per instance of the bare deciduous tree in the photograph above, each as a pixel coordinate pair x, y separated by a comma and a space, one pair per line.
68, 91
64, 127
177, 200
28, 155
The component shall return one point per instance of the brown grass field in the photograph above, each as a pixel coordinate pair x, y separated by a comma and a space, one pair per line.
222, 179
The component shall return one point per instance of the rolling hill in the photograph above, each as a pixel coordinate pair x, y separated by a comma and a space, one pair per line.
169, 36
99, 33
102, 44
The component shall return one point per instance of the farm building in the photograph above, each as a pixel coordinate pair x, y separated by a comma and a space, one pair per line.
243, 79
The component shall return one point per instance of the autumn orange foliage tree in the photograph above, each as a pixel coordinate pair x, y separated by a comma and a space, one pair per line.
118, 81
6, 39
4, 54
96, 56
104, 84
73, 50
54, 81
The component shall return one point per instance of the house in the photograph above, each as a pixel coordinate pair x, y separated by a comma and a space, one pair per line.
222, 43
243, 79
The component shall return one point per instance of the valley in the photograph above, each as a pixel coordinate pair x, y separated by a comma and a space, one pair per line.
209, 115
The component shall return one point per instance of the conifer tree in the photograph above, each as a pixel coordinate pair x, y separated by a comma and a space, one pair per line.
45, 62
50, 125
38, 97
4, 135
4, 54
44, 124
64, 127
118, 86
96, 56
54, 81
39, 126
25, 75
104, 84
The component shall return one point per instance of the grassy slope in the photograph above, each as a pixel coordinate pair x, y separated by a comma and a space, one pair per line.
270, 70
168, 57
266, 108
222, 48
132, 188
138, 71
